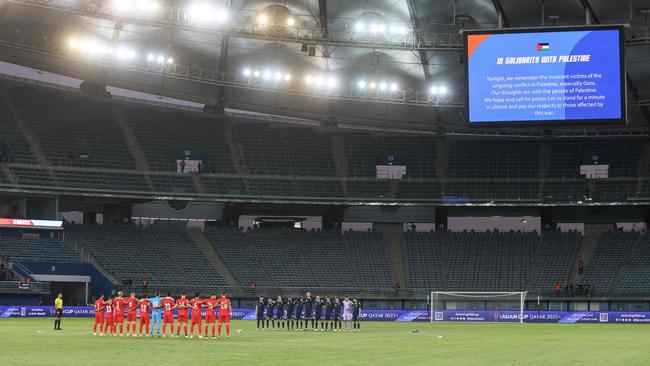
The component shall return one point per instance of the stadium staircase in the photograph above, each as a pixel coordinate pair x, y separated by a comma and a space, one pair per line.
141, 163
11, 177
587, 249
442, 162
354, 264
535, 264
393, 237
203, 243
89, 258
198, 183
644, 166
340, 160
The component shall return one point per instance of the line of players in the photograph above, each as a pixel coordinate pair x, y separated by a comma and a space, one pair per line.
109, 314
307, 314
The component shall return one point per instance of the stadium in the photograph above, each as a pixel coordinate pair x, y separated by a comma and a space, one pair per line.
448, 182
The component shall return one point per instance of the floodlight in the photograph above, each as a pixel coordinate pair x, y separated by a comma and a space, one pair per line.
150, 57
267, 75
290, 21
160, 59
72, 43
372, 85
331, 82
263, 19
247, 72
382, 86
361, 84
442, 90
256, 74
360, 27
309, 80
287, 77
170, 60
394, 87
434, 90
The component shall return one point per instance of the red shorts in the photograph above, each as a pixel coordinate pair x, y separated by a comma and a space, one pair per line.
131, 317
108, 319
99, 318
210, 317
196, 318
168, 318
224, 318
145, 319
119, 318
182, 317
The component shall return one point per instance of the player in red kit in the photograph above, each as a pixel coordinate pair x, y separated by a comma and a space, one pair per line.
99, 315
145, 318
183, 306
118, 305
225, 313
108, 318
131, 318
168, 305
196, 303
210, 313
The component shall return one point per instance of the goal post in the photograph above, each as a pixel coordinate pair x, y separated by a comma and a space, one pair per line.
441, 301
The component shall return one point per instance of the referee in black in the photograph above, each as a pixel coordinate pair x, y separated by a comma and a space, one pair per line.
58, 308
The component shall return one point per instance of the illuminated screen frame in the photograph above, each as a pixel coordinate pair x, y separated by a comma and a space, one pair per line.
551, 122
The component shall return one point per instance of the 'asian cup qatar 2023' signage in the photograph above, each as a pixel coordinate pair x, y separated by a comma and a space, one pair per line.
391, 315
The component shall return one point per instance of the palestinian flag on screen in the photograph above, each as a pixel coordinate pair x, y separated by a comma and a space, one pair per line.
543, 47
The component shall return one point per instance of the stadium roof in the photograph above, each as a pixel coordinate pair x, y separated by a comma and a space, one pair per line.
408, 44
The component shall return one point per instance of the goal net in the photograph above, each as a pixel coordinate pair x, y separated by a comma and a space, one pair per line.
492, 303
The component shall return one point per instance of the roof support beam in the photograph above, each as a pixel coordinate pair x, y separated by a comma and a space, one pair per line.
590, 16
415, 22
502, 20
223, 67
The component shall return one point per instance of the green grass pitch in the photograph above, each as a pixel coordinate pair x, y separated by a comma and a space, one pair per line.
34, 342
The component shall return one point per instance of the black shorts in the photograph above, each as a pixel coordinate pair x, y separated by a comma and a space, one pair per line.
279, 317
260, 316
328, 317
318, 316
289, 316
355, 317
59, 312
269, 317
336, 317
298, 316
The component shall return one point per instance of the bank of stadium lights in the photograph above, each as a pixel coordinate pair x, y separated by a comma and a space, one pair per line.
100, 50
264, 19
135, 7
379, 28
382, 86
438, 90
321, 83
266, 75
205, 13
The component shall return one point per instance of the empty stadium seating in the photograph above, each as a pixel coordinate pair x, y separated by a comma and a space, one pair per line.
634, 278
493, 159
36, 250
614, 247
489, 261
557, 256
73, 130
284, 151
163, 136
165, 255
423, 258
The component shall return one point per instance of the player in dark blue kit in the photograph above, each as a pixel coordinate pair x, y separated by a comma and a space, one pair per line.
279, 312
308, 304
318, 312
356, 315
289, 316
329, 308
299, 305
270, 313
259, 311
336, 316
